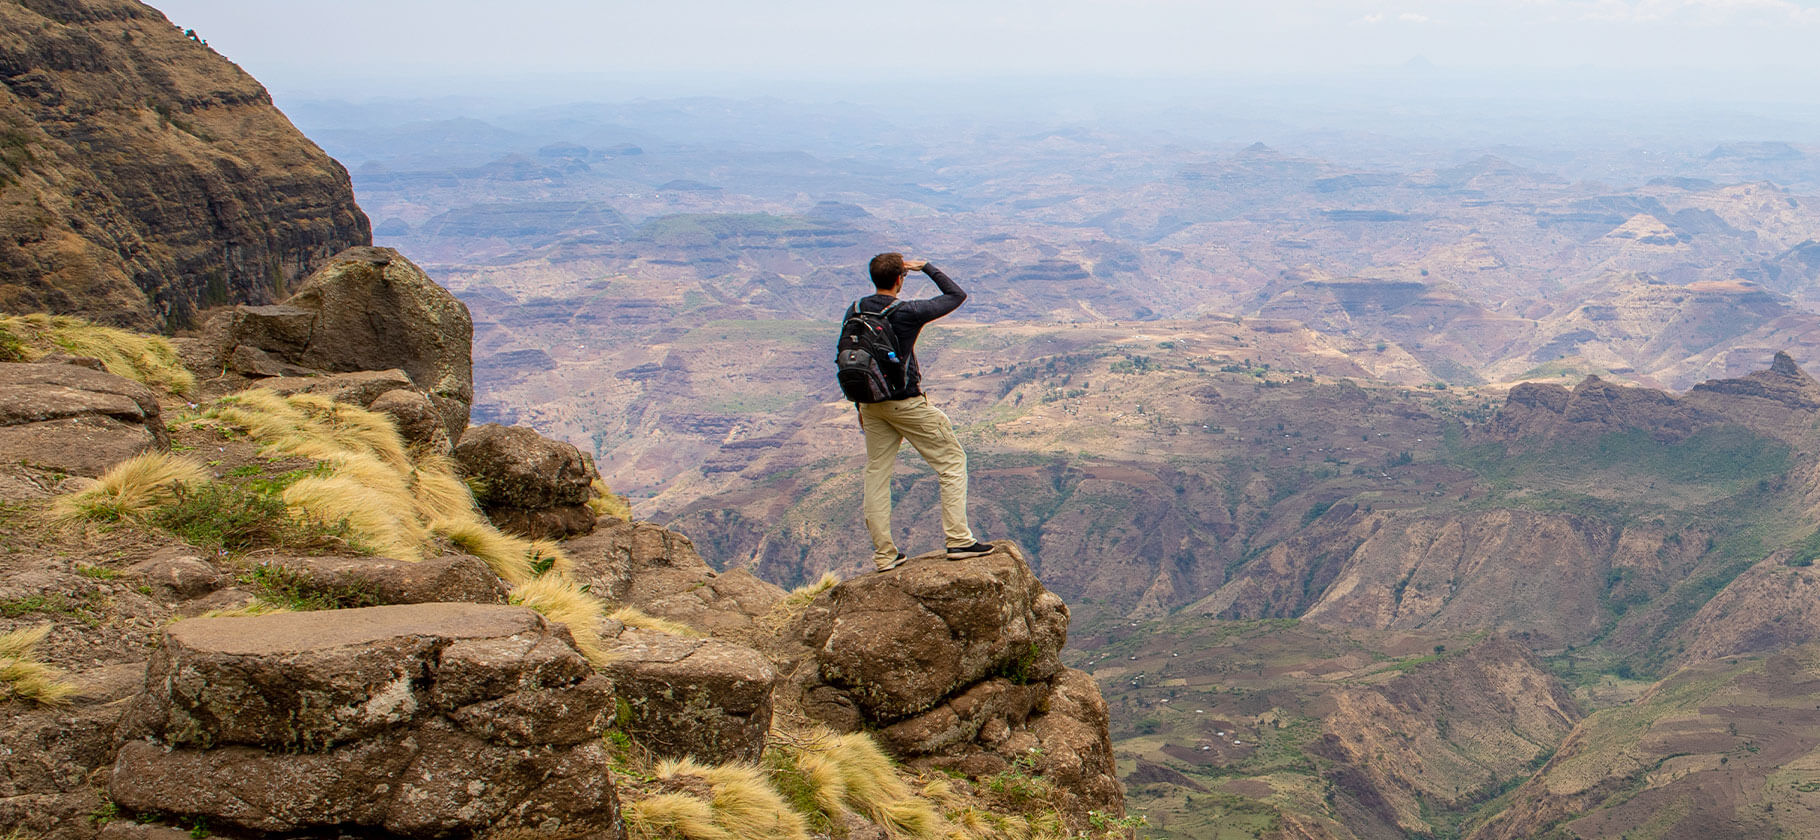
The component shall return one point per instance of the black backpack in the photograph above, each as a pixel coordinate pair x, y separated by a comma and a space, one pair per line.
866, 362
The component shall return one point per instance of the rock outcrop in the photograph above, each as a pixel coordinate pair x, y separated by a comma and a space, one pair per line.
1784, 382
658, 571
71, 418
955, 666
143, 176
367, 311
1535, 411
895, 645
428, 720
528, 483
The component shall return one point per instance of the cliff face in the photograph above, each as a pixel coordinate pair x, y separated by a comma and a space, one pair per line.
143, 176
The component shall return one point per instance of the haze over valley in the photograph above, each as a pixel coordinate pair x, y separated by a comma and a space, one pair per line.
1410, 403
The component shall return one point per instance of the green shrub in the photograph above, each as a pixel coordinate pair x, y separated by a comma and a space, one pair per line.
233, 517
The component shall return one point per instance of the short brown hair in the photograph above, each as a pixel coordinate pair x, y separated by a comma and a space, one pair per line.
886, 269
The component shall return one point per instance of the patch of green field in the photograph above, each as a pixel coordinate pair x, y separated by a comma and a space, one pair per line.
792, 335
1720, 460
766, 402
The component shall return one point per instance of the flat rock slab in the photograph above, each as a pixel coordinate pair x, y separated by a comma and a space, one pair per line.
704, 698
310, 680
425, 720
74, 419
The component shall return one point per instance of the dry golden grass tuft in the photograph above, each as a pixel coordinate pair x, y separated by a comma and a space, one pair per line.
673, 816
397, 504
813, 783
791, 607
851, 773
130, 487
145, 358
604, 502
244, 610
742, 801
508, 556
635, 617
563, 600
439, 491
378, 520
312, 426
24, 677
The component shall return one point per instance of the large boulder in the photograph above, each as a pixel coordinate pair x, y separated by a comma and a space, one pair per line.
896, 644
658, 571
366, 309
529, 484
954, 667
424, 720
704, 698
71, 418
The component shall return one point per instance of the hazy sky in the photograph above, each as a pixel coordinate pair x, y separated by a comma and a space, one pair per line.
341, 47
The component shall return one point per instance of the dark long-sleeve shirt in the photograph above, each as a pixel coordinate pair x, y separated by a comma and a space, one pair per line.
908, 318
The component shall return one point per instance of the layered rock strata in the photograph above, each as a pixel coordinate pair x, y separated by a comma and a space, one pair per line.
143, 176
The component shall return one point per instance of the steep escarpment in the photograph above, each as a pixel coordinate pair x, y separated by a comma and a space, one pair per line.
143, 175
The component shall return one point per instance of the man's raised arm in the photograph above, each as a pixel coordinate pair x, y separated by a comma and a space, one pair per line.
950, 299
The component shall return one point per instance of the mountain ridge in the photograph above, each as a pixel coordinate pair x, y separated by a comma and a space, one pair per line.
145, 177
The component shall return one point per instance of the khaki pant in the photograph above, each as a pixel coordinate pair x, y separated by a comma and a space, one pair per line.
887, 424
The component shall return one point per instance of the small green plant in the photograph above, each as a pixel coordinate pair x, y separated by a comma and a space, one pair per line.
99, 572
1019, 670
56, 603
104, 813
798, 789
298, 592
1115, 828
625, 755
1017, 786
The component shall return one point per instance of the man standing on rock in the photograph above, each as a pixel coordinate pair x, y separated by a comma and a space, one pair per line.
907, 415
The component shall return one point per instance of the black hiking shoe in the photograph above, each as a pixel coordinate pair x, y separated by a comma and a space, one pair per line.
888, 565
968, 552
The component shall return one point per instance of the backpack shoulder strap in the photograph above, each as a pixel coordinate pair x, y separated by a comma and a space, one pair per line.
856, 309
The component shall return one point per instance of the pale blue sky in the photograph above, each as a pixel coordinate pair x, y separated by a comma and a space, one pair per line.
325, 46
